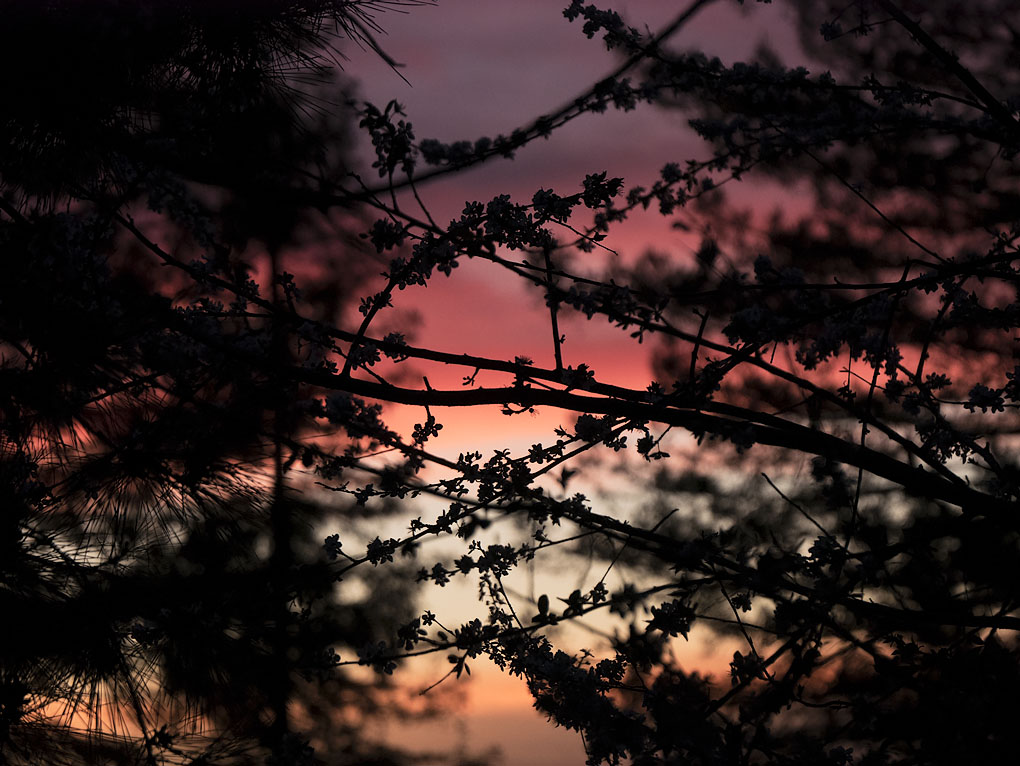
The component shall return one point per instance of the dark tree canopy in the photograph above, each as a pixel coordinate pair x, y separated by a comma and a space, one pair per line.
198, 356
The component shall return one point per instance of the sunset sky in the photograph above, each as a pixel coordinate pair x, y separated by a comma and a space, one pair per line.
485, 67
481, 68
695, 425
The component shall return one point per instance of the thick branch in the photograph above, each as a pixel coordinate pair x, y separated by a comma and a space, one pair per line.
781, 433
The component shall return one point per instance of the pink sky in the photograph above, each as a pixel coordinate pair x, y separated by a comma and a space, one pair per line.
485, 67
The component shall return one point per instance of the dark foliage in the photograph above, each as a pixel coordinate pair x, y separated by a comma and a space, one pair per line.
165, 595
185, 457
